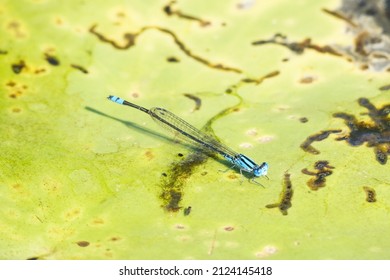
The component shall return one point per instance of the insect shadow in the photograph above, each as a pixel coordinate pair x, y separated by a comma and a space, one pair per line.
165, 138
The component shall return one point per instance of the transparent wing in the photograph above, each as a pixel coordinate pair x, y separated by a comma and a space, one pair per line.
178, 126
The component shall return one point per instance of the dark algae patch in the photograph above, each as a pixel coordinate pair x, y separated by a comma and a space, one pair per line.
173, 184
173, 59
18, 67
285, 196
322, 170
375, 132
306, 145
385, 87
303, 120
52, 60
187, 210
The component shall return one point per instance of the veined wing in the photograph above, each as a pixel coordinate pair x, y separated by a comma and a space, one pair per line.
179, 126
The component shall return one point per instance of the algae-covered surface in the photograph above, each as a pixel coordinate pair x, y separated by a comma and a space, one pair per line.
302, 85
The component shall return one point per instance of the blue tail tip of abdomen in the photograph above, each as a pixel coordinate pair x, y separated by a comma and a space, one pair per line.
115, 99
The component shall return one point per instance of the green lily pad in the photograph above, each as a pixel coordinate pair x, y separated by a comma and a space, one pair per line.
84, 178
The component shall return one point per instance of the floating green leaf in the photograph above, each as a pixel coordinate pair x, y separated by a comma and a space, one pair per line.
82, 178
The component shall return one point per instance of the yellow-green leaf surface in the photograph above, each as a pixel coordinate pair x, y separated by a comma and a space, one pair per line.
84, 178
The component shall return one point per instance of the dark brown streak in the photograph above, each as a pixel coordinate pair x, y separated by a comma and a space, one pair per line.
340, 16
80, 68
306, 145
297, 47
131, 37
385, 87
197, 100
360, 42
261, 79
168, 9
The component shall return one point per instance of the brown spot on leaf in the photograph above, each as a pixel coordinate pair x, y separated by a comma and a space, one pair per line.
52, 60
180, 226
173, 59
370, 194
303, 120
228, 228
98, 221
307, 80
149, 155
83, 243
80, 68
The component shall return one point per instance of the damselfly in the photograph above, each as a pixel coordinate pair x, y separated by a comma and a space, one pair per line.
174, 123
